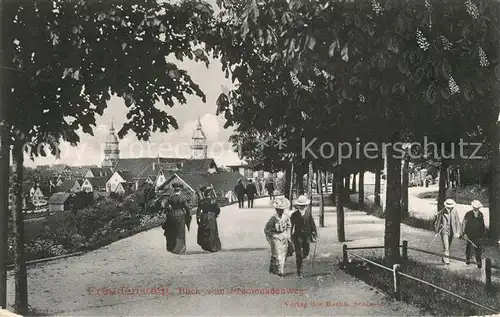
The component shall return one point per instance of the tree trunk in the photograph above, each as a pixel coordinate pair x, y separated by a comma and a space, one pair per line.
346, 190
377, 187
300, 181
326, 182
339, 184
310, 179
494, 201
405, 184
393, 210
361, 191
21, 281
321, 201
383, 195
4, 203
354, 183
459, 175
291, 185
442, 184
334, 189
288, 181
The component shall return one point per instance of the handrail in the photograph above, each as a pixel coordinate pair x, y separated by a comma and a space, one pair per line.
419, 250
359, 248
441, 255
425, 282
374, 263
436, 254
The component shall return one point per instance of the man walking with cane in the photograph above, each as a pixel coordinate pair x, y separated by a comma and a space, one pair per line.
448, 225
473, 231
303, 231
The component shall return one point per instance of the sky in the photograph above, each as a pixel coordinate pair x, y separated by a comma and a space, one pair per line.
175, 143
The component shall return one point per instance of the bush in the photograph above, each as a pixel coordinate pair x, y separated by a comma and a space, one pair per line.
434, 302
85, 229
462, 195
470, 193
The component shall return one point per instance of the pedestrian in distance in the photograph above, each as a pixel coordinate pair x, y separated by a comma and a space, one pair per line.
277, 231
303, 230
270, 189
251, 192
178, 218
473, 229
240, 190
447, 225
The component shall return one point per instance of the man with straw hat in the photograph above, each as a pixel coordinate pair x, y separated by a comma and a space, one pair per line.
447, 225
303, 230
473, 231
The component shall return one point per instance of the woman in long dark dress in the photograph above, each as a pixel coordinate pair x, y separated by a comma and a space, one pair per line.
206, 215
178, 218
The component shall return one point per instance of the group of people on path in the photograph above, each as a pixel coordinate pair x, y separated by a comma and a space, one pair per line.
179, 218
472, 229
250, 191
287, 235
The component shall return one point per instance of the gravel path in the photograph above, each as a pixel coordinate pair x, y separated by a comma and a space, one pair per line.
80, 286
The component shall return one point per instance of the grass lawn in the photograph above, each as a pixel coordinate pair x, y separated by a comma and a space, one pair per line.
435, 302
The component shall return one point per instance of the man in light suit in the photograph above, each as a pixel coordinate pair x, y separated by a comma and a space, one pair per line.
447, 224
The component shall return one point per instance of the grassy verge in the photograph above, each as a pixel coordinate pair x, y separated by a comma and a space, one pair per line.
462, 195
434, 302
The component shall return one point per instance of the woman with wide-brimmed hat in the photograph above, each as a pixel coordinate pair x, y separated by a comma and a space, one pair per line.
277, 231
178, 218
206, 216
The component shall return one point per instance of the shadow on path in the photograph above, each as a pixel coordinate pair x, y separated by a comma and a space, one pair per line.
227, 250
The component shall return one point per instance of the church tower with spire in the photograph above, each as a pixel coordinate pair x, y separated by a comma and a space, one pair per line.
199, 143
111, 149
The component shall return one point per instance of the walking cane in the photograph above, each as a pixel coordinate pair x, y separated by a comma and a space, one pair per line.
437, 234
314, 253
466, 238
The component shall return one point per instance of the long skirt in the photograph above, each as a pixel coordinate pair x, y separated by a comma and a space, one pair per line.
175, 233
208, 233
279, 250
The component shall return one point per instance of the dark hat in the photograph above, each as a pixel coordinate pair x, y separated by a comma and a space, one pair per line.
177, 185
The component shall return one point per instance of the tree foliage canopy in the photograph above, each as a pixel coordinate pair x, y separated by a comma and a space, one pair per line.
380, 71
65, 59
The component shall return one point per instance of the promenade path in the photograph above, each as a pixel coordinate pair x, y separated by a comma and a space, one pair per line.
69, 287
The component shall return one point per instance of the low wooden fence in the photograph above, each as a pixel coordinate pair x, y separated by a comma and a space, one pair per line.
486, 271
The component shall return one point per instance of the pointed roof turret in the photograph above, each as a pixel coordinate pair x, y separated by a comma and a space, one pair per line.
198, 133
112, 138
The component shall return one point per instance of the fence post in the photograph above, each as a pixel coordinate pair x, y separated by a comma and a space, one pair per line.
405, 249
395, 270
486, 272
344, 254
